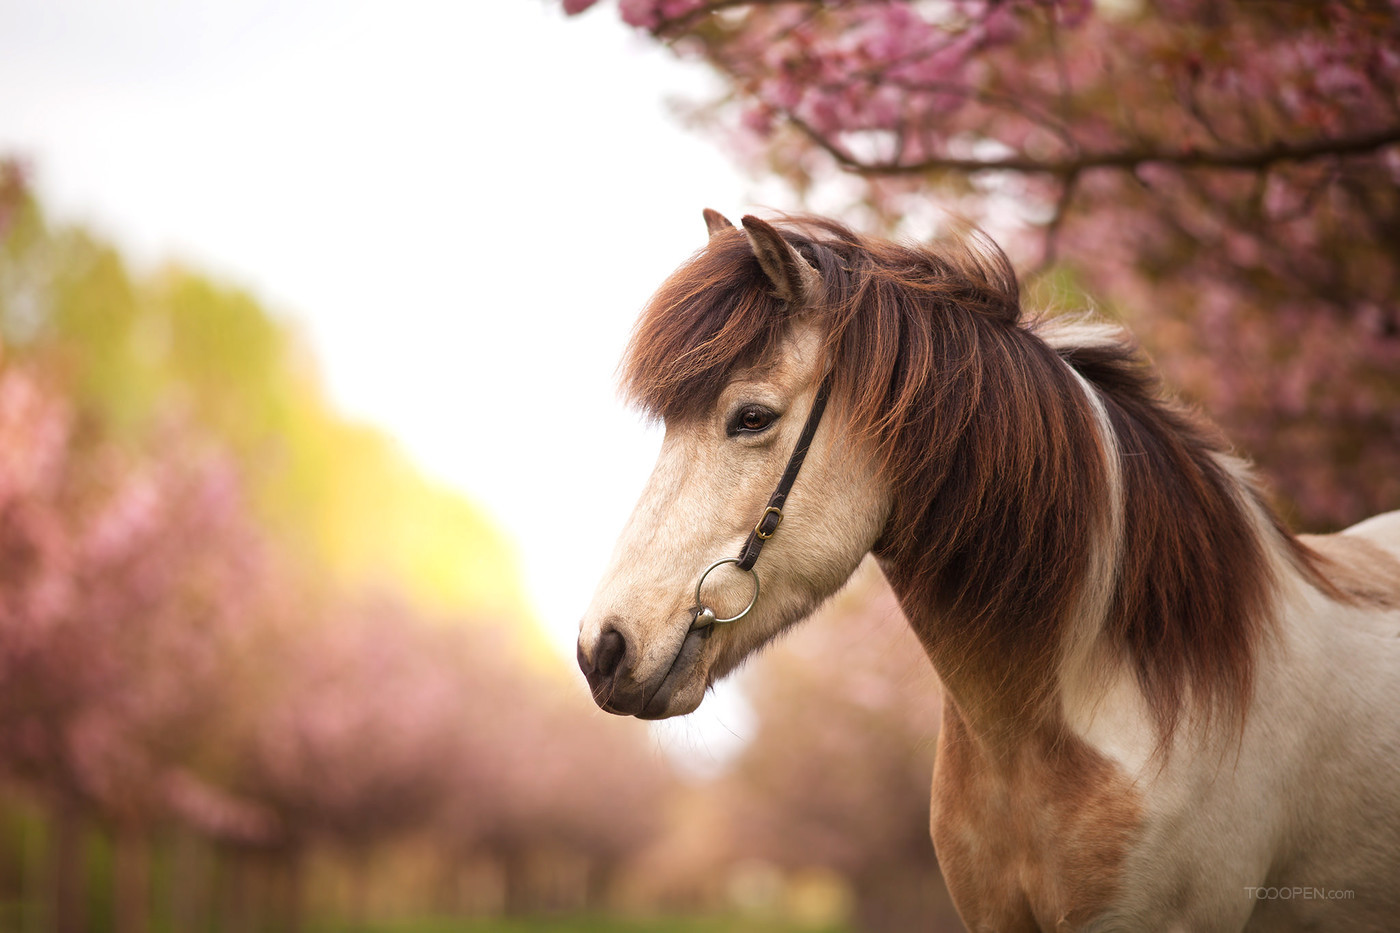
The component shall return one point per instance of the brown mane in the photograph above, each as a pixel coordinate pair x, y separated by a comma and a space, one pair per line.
991, 447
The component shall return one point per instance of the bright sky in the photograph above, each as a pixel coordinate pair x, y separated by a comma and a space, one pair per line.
464, 204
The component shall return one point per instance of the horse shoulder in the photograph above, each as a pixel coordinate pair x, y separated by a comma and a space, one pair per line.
1037, 840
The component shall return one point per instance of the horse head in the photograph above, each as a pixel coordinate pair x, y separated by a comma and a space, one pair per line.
732, 355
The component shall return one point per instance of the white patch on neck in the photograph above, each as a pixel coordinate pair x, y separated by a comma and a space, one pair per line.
1099, 696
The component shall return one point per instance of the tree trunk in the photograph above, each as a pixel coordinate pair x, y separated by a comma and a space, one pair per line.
33, 894
519, 896
287, 890
602, 872
66, 888
236, 910
191, 876
131, 879
360, 887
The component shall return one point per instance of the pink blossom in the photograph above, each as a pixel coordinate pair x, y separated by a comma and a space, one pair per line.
643, 14
1232, 166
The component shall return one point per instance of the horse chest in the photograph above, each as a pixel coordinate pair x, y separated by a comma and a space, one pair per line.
1036, 842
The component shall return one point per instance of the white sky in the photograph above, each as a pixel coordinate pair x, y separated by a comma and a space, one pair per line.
464, 204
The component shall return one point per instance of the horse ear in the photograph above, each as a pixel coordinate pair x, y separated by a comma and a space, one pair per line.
716, 222
794, 280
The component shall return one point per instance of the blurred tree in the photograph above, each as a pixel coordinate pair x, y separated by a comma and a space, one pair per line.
365, 709
173, 345
226, 611
558, 779
837, 775
169, 579
378, 724
127, 585
1227, 175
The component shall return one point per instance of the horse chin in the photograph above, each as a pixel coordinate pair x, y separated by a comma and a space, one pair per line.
686, 700
683, 687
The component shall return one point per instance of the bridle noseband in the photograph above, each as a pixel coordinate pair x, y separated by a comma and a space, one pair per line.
768, 523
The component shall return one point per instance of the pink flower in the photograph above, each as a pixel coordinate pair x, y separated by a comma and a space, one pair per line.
640, 13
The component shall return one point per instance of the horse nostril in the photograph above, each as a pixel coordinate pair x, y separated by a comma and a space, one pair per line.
611, 647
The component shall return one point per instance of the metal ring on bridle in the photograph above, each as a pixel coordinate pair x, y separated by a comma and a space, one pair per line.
745, 611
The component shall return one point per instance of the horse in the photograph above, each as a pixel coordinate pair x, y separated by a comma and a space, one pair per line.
1163, 710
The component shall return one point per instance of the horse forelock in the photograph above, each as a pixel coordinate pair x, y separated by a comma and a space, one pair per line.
717, 313
714, 315
987, 430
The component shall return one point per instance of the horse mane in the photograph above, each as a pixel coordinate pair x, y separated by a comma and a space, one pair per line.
1001, 474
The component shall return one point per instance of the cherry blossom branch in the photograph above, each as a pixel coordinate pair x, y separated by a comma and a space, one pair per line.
1238, 159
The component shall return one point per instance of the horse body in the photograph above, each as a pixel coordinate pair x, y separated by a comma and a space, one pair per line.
1090, 822
1162, 710
1290, 825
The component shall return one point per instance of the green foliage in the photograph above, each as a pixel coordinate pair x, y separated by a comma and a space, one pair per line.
143, 350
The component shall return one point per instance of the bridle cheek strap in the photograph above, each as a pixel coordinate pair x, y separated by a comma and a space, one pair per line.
773, 515
769, 521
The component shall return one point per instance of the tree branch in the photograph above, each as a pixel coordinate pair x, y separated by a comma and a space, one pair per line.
1052, 229
1238, 159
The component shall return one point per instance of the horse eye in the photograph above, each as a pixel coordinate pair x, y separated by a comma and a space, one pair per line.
751, 419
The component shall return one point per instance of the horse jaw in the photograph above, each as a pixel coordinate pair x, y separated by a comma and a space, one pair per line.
707, 490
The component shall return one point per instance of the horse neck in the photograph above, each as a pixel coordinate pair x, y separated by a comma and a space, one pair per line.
1114, 533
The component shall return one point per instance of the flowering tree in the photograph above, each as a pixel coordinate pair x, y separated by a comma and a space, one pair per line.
556, 778
378, 722
136, 349
184, 635
837, 774
1225, 175
169, 581
354, 739
127, 583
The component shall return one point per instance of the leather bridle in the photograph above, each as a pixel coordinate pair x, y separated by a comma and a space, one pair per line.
768, 522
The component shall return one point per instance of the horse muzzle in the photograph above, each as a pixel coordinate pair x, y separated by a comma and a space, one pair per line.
609, 665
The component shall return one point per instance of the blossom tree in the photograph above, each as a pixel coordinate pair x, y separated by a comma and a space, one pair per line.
352, 738
193, 655
1223, 175
380, 722
837, 774
554, 777
127, 583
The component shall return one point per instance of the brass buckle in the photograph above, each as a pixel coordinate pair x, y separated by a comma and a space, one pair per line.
758, 529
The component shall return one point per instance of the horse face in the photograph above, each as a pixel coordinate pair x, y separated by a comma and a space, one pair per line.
710, 486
